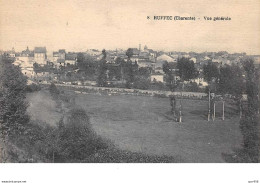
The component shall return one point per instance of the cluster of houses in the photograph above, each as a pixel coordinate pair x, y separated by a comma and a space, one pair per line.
27, 58
144, 57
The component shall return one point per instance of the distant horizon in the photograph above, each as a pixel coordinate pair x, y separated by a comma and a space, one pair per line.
31, 48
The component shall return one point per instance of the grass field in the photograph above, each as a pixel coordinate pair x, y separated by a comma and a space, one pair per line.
144, 124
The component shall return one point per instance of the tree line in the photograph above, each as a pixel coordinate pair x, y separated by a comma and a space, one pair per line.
126, 73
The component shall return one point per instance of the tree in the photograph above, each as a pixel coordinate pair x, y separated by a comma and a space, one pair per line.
80, 57
250, 124
120, 61
129, 53
142, 78
171, 83
87, 66
129, 70
36, 68
102, 70
13, 117
186, 69
144, 71
104, 53
230, 81
141, 83
210, 72
114, 72
129, 73
170, 76
54, 90
80, 61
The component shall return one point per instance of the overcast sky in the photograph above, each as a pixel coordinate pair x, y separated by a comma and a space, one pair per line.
78, 25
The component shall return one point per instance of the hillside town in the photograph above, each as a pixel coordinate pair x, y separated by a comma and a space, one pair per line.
62, 66
90, 90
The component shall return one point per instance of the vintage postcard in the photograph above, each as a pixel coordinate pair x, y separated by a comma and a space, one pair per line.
115, 81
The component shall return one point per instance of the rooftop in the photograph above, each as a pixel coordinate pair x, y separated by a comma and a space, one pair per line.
40, 50
62, 51
71, 56
61, 60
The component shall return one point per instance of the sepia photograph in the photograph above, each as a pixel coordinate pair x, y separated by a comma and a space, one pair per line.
119, 82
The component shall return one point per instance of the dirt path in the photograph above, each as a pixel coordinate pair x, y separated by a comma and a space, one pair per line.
43, 108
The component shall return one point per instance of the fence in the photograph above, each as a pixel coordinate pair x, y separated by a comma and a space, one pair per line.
125, 91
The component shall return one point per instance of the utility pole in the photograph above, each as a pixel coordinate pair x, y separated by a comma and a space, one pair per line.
181, 104
209, 107
53, 156
180, 117
258, 104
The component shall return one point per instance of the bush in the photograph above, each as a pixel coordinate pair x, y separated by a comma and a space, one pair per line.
114, 155
250, 130
142, 84
192, 87
35, 143
32, 88
77, 140
54, 90
159, 86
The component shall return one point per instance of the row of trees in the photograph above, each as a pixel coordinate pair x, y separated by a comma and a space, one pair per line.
250, 121
222, 80
125, 72
225, 79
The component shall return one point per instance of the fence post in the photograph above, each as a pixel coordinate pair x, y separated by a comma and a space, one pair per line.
214, 111
223, 115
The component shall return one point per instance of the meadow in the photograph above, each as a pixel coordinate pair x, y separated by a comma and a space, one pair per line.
145, 124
